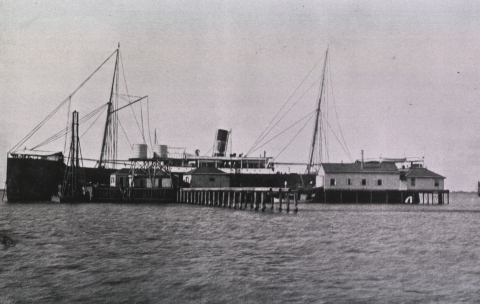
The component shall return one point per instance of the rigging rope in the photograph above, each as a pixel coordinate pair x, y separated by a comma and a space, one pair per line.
323, 123
98, 116
336, 114
126, 88
63, 132
295, 135
68, 123
131, 146
148, 118
251, 149
339, 141
309, 114
141, 117
278, 113
29, 135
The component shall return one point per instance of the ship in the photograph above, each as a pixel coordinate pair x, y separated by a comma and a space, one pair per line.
39, 175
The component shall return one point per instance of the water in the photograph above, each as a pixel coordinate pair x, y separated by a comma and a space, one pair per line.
174, 253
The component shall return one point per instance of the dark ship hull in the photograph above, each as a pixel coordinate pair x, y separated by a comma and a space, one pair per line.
33, 179
277, 180
39, 179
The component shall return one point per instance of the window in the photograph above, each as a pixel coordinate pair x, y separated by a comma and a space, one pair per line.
436, 183
332, 182
364, 182
379, 182
413, 182
212, 179
349, 182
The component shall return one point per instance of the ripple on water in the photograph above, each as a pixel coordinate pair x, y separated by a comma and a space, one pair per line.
183, 253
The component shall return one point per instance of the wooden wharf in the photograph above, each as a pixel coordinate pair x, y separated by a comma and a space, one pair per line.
115, 194
427, 197
240, 197
263, 197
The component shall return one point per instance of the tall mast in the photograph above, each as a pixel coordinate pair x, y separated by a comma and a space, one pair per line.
74, 153
316, 127
109, 111
72, 172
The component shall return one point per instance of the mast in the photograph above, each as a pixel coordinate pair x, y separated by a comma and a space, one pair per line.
73, 172
73, 153
316, 127
109, 111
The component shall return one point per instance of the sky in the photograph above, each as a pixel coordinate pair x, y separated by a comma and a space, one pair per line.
403, 75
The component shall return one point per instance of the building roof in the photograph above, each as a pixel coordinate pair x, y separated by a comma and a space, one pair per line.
206, 170
422, 172
356, 167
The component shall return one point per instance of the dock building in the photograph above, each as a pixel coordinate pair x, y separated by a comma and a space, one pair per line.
383, 181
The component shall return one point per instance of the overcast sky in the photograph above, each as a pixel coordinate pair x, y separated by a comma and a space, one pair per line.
404, 74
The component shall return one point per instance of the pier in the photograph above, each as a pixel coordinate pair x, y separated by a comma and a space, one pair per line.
147, 195
426, 197
241, 198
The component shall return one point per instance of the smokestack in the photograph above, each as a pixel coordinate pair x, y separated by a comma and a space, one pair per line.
221, 143
362, 160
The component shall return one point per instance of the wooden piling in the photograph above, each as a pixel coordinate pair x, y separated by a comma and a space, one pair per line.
288, 200
272, 198
280, 197
256, 198
263, 194
295, 200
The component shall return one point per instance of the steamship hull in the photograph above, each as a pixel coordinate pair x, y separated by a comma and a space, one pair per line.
273, 180
39, 179
33, 179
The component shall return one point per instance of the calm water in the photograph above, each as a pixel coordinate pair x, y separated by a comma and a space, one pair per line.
182, 253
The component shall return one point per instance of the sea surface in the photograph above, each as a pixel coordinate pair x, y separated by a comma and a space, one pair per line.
175, 253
